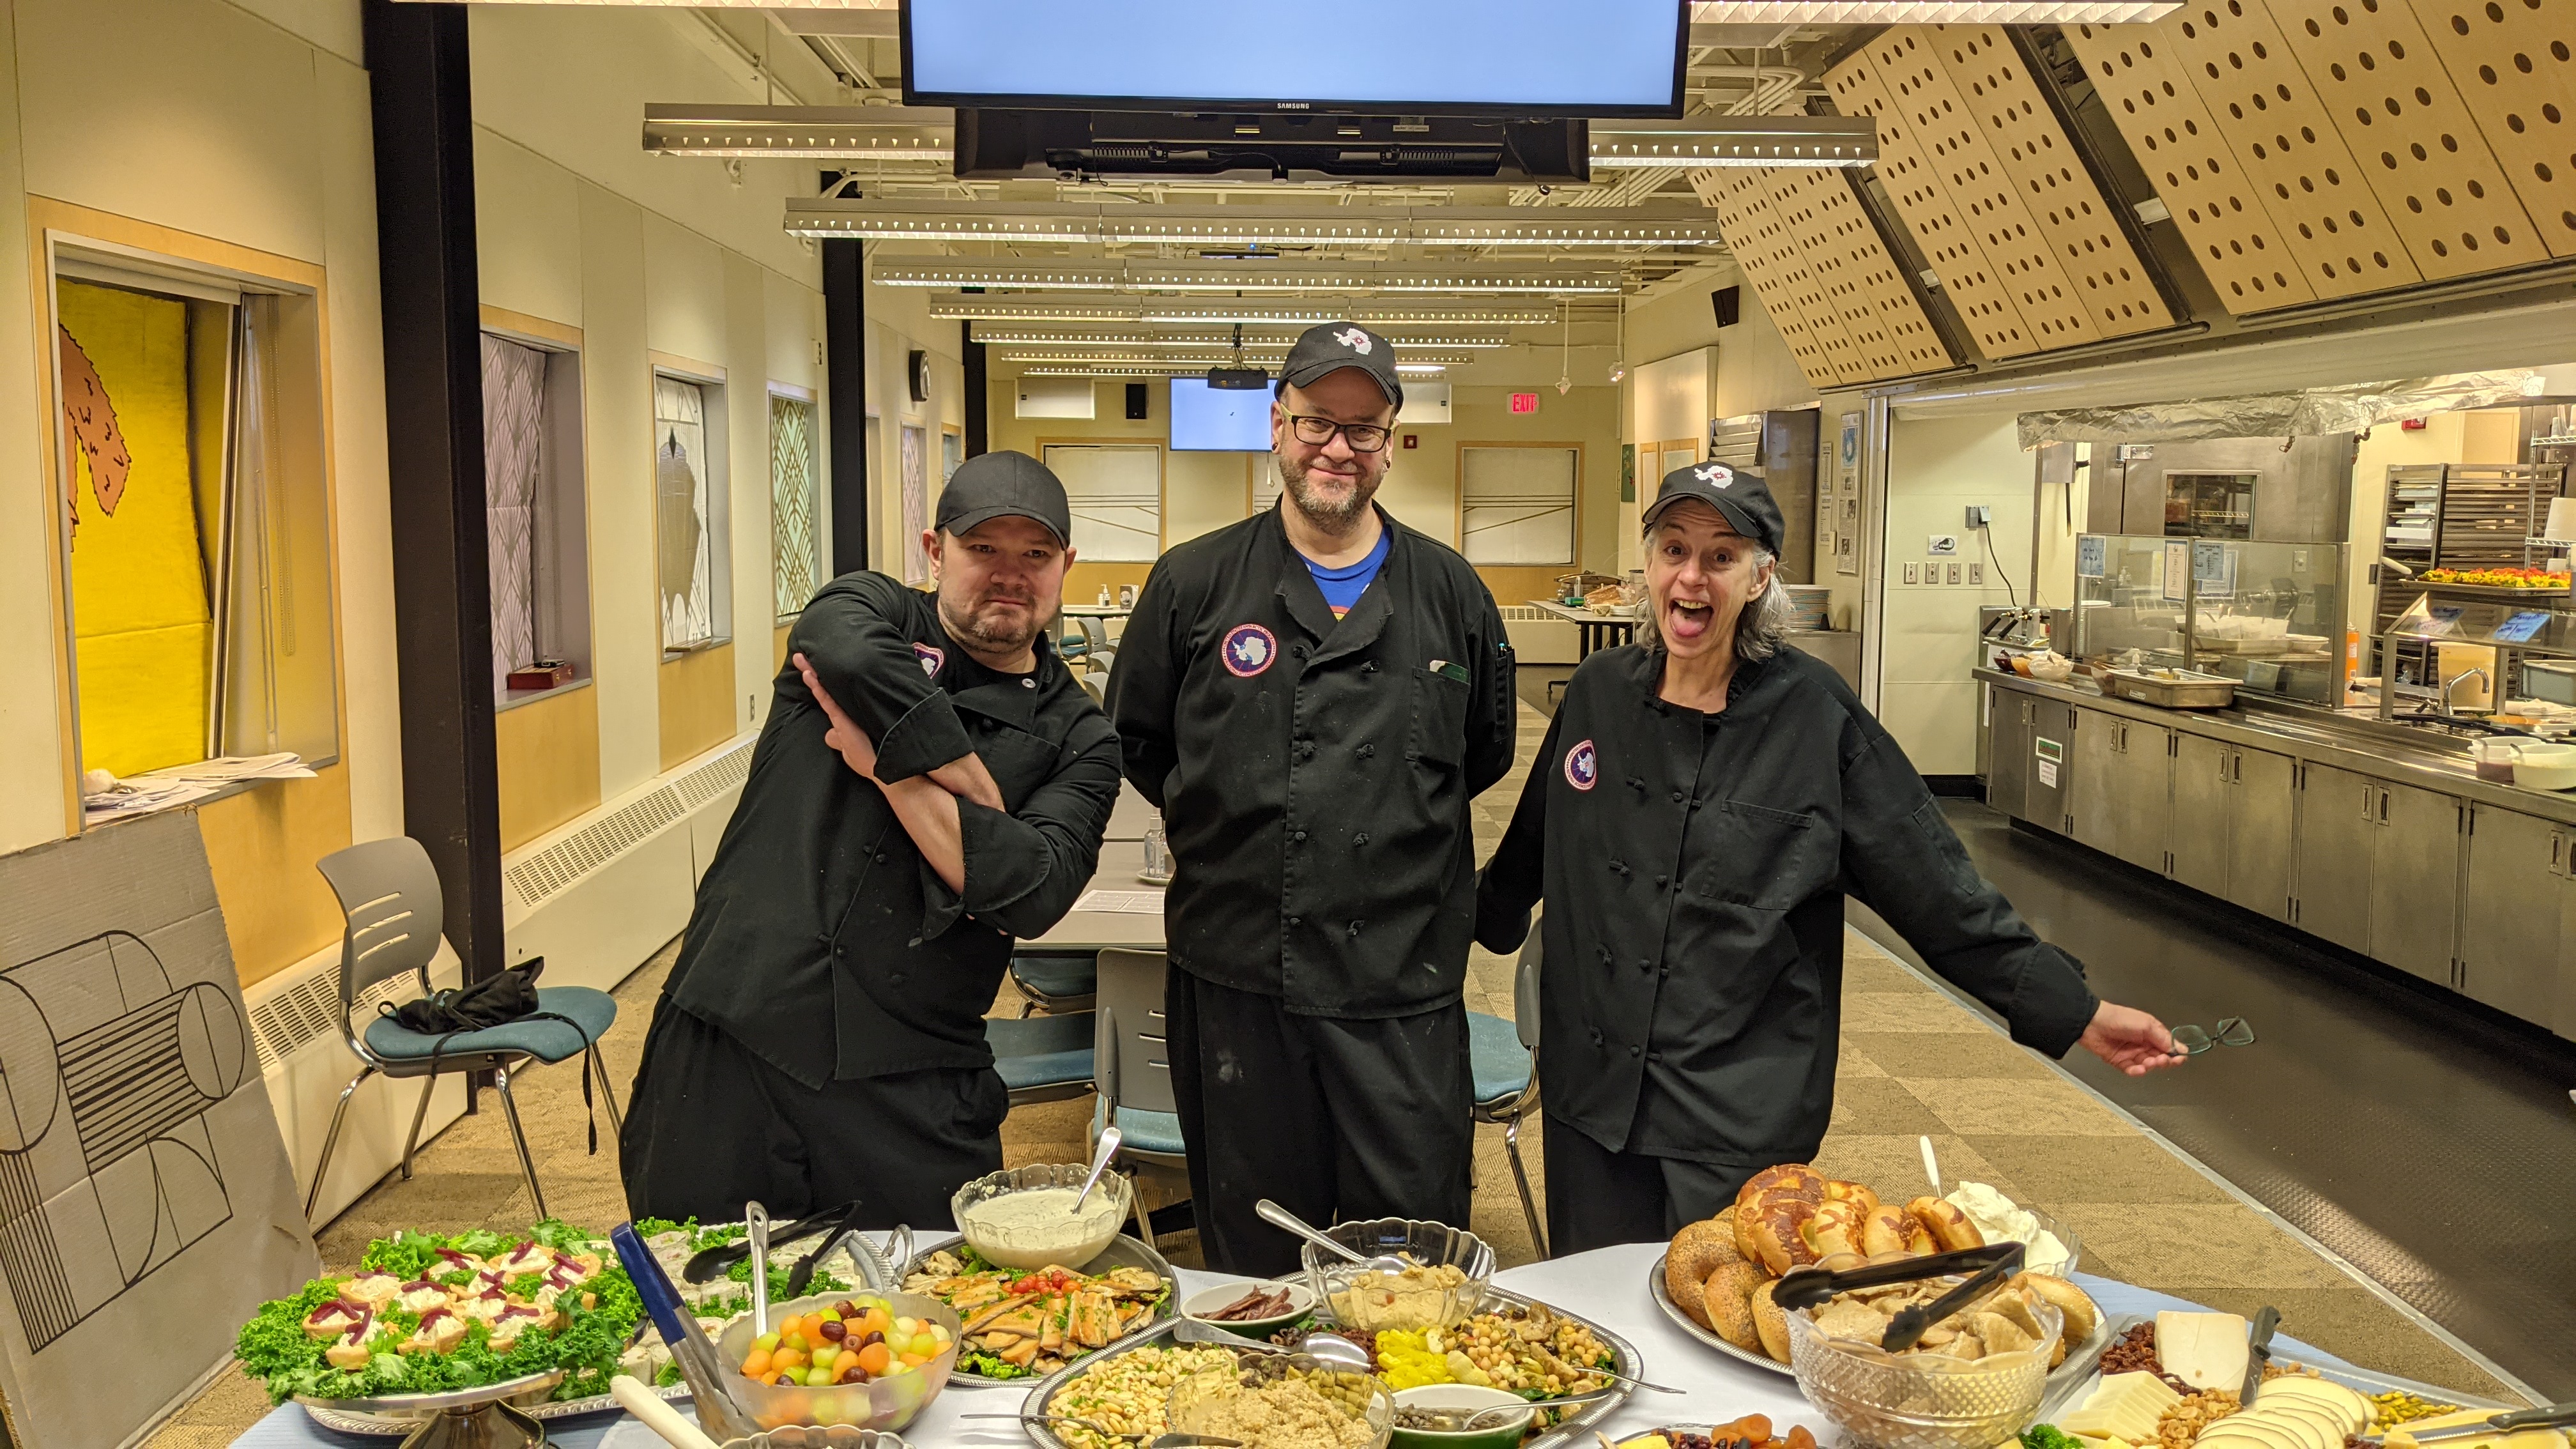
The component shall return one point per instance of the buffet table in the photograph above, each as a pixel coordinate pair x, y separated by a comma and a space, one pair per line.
1608, 1286
1594, 631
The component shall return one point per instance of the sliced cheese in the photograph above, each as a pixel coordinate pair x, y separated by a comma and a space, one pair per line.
2323, 1424
2204, 1350
2125, 1406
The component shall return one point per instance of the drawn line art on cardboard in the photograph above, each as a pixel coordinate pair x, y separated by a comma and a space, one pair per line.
107, 1171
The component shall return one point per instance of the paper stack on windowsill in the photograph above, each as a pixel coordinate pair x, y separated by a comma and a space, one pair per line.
105, 797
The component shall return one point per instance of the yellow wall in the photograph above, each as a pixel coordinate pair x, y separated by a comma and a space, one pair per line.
697, 703
548, 756
261, 845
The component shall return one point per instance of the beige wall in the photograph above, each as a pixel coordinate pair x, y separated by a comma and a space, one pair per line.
1936, 467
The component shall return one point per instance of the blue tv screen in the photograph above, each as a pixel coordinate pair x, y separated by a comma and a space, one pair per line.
1528, 58
1219, 420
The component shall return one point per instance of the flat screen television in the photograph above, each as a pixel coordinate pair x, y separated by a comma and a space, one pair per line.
1534, 59
1218, 420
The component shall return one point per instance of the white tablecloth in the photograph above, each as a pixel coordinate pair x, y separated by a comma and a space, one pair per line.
1608, 1286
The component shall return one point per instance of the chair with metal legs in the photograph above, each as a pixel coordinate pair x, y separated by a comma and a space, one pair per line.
390, 894
1503, 1057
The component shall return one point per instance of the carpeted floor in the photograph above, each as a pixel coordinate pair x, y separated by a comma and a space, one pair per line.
1914, 1063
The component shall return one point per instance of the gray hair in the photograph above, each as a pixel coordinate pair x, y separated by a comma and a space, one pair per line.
1762, 626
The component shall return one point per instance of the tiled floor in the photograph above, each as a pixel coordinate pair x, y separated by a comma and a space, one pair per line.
1914, 1063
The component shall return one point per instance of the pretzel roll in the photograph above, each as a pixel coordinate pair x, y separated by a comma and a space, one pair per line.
1788, 1180
1949, 1227
1918, 1238
1856, 1193
1835, 1228
1779, 1234
1883, 1231
1729, 1296
1771, 1323
1697, 1251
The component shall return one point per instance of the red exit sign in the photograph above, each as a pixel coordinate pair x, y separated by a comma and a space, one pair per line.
1524, 402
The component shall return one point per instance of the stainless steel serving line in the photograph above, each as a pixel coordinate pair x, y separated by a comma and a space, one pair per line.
2376, 836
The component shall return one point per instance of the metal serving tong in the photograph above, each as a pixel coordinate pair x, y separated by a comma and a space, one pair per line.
1986, 1267
719, 1412
832, 1225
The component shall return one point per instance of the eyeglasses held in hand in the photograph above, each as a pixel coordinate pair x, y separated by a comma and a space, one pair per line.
2191, 1041
1316, 432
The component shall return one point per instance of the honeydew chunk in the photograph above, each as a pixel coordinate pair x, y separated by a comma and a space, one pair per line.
2204, 1350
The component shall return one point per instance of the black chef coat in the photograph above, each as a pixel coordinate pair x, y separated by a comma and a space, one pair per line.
1694, 867
822, 941
1314, 773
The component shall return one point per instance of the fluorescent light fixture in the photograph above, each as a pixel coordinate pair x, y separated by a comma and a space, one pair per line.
1008, 335
1209, 312
1091, 368
848, 133
1737, 141
1420, 367
1252, 276
1270, 357
1928, 12
1482, 226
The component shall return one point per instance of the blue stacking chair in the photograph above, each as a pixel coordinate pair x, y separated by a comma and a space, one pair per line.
1504, 1058
1132, 1066
1055, 982
389, 892
1042, 1058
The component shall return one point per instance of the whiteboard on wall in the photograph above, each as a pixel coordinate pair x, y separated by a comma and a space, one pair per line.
1516, 505
1668, 398
1425, 404
1053, 397
1116, 492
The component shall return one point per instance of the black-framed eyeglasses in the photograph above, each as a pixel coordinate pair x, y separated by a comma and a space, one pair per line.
1317, 432
2191, 1041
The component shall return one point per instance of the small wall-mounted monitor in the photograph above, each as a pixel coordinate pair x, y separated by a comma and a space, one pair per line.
1218, 420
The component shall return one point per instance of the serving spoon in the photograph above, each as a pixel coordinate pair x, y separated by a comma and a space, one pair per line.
755, 1220
1108, 1148
1279, 1217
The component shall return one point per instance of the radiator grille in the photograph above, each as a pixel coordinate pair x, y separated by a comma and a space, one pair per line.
551, 871
282, 1023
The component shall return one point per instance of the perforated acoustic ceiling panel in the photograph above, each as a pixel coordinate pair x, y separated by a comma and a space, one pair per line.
1983, 194
2512, 64
1854, 341
1786, 258
1738, 197
2376, 70
2215, 203
2284, 138
2037, 155
1913, 185
1876, 273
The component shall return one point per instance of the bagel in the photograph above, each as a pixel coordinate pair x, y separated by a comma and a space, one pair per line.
1950, 1228
1884, 1231
1728, 1295
1837, 1190
1778, 1230
1835, 1228
1697, 1251
1770, 1323
2083, 1316
1788, 1180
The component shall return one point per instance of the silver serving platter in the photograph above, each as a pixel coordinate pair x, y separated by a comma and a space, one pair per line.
396, 1415
2066, 1392
1123, 1252
1576, 1430
2081, 1360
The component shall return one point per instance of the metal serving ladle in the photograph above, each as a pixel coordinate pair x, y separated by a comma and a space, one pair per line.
1279, 1217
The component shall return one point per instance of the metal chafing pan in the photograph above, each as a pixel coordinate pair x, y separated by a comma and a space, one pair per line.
1575, 1431
2188, 689
1124, 1252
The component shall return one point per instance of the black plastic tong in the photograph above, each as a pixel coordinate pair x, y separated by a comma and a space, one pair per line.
831, 1223
1986, 1267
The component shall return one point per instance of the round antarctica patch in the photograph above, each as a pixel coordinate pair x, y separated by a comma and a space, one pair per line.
930, 658
1248, 650
1582, 766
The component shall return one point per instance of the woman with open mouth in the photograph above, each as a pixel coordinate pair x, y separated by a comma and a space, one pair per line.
1703, 802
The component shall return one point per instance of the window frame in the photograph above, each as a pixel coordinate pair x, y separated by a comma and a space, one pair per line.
563, 492
184, 266
715, 401
1573, 506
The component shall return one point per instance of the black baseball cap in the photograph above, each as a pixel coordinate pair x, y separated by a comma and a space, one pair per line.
1336, 345
1738, 494
998, 485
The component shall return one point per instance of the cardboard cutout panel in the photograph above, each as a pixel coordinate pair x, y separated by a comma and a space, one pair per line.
140, 1163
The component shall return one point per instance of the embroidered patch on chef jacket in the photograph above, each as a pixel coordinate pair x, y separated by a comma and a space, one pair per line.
930, 658
1248, 650
1582, 766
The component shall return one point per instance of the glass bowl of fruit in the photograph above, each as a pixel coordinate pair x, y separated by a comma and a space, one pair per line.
873, 1360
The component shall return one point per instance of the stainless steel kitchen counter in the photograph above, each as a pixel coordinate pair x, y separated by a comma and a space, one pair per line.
2360, 744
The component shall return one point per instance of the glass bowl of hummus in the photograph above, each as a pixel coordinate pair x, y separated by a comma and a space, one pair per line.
1442, 1285
1023, 1217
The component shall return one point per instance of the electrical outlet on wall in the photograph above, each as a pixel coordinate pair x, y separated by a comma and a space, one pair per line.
1979, 515
1976, 574
1954, 573
1914, 573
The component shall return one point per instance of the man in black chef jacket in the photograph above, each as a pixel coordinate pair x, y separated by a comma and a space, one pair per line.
1702, 803
931, 782
1312, 697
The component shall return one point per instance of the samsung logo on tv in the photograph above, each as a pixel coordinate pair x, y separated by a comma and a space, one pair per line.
1296, 105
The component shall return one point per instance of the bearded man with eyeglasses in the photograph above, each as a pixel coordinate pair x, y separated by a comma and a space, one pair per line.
1312, 697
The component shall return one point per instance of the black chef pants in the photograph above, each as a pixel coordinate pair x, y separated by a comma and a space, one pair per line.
1334, 1120
710, 1126
1597, 1197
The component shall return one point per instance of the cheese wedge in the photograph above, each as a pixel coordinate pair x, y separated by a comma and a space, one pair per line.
2124, 1406
2204, 1350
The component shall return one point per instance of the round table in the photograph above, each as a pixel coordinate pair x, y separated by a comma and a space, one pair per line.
1607, 1286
